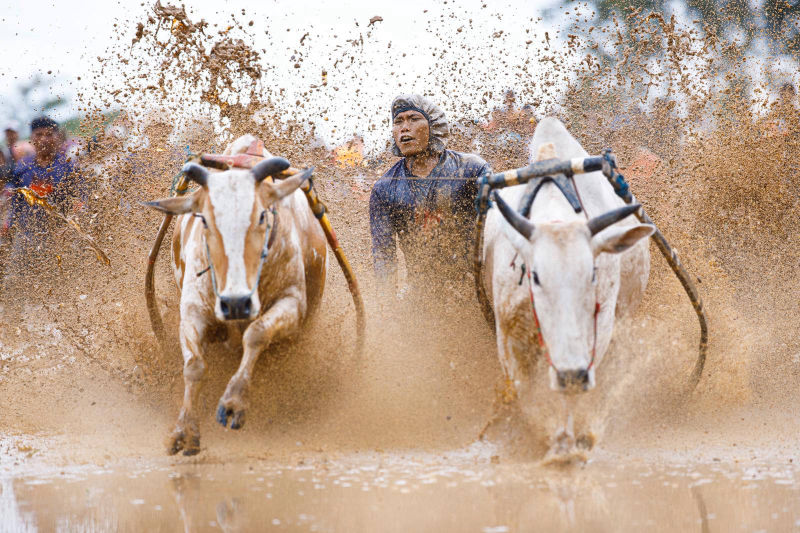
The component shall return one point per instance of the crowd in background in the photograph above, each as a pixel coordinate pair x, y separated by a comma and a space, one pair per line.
48, 163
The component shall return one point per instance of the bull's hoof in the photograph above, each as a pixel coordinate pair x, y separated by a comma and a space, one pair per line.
181, 441
226, 413
585, 441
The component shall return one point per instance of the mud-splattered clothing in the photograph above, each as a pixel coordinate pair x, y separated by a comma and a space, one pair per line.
57, 182
431, 219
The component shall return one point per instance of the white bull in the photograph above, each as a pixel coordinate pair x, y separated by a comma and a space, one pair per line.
247, 254
578, 276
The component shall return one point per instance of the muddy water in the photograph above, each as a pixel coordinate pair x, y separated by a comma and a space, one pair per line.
388, 441
451, 492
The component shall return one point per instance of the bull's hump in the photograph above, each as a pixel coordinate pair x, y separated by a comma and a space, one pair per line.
552, 130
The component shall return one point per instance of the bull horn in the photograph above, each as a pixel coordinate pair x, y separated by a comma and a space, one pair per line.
269, 167
196, 173
520, 223
601, 222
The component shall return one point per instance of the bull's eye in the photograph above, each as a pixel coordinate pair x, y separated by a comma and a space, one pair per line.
535, 278
202, 218
263, 218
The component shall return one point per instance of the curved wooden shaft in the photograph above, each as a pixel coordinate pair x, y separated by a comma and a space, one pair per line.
156, 322
477, 272
149, 285
319, 210
688, 286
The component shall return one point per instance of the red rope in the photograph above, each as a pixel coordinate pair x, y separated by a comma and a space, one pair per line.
539, 335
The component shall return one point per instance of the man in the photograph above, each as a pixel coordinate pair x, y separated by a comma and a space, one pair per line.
425, 202
782, 118
49, 174
15, 150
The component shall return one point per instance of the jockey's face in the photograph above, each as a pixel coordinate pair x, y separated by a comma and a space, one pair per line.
411, 132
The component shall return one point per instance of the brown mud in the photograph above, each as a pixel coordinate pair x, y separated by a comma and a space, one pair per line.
340, 442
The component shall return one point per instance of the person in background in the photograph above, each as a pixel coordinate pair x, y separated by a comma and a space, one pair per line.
425, 203
49, 174
16, 150
5, 175
782, 119
5, 170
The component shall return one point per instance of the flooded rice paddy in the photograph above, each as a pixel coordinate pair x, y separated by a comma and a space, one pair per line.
389, 440
396, 492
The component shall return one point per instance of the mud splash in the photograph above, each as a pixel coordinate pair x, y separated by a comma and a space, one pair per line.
83, 382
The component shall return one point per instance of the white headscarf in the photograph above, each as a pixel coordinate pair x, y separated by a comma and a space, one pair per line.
437, 123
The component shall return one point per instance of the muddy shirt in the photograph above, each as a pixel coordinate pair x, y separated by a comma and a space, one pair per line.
56, 183
431, 218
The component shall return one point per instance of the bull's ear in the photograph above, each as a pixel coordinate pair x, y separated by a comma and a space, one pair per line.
283, 188
617, 239
178, 205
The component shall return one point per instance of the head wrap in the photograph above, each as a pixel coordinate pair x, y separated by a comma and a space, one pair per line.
44, 122
438, 126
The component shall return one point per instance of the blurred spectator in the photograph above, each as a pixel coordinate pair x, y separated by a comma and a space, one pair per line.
15, 149
71, 147
49, 174
782, 118
504, 117
5, 170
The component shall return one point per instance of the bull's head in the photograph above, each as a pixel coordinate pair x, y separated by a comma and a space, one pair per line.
560, 258
235, 209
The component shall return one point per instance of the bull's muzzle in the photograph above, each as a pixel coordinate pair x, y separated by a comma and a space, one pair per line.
236, 307
573, 380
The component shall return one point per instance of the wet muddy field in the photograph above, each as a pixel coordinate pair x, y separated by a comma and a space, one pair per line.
396, 438
392, 492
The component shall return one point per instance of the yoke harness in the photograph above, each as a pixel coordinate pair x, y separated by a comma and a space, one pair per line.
269, 238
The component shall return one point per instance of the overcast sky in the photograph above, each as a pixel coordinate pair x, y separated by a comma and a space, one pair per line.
413, 49
65, 39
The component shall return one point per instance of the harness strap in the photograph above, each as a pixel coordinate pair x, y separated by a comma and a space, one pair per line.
269, 238
565, 184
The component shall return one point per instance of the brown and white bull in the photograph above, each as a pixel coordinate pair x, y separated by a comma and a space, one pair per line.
247, 253
582, 270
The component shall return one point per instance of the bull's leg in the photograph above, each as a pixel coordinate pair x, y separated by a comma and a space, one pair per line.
281, 320
186, 435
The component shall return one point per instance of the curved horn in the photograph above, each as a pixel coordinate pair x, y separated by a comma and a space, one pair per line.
601, 222
520, 223
196, 173
269, 167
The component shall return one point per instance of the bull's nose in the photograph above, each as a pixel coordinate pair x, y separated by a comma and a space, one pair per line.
235, 307
571, 379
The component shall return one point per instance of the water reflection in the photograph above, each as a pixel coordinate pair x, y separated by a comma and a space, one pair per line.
11, 516
395, 494
193, 503
701, 508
